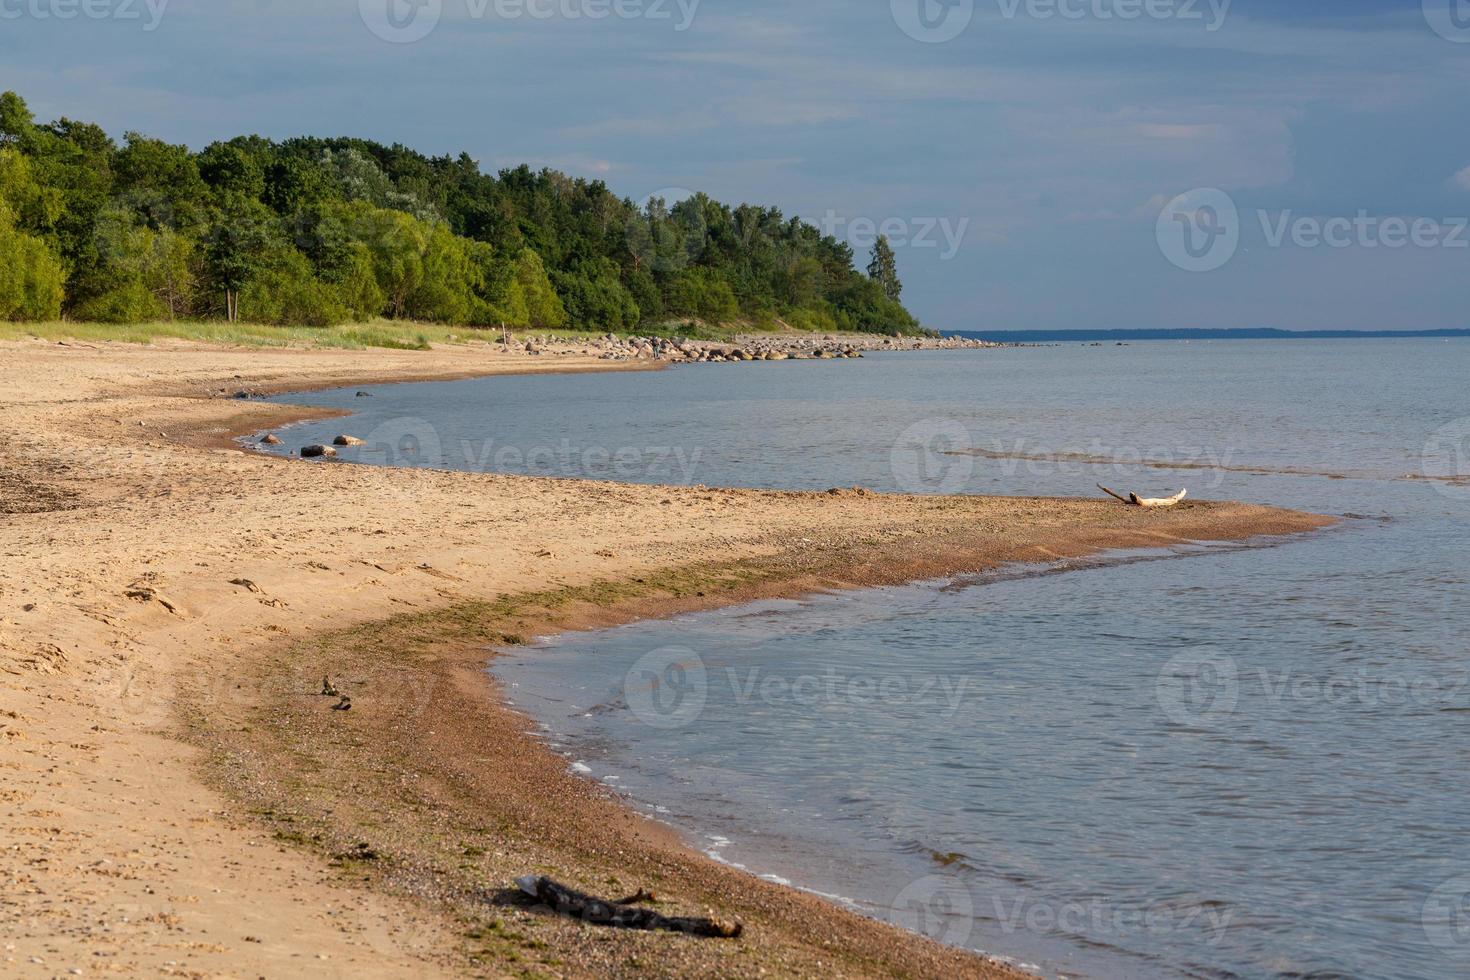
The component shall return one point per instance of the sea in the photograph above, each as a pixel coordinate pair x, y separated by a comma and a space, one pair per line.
1221, 761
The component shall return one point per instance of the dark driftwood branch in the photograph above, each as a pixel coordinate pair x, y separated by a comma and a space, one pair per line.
567, 901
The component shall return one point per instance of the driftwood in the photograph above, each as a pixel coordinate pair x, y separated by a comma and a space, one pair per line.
621, 915
1134, 500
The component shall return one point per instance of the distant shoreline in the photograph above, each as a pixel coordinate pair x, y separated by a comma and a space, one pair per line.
1241, 333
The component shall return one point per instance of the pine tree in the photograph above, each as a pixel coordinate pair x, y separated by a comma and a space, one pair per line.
884, 269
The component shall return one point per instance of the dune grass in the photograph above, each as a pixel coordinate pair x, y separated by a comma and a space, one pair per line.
395, 334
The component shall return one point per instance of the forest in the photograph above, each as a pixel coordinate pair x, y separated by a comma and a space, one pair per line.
319, 232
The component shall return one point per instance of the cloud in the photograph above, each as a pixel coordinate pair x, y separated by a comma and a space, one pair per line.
1462, 179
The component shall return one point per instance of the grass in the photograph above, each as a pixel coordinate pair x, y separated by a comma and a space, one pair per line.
394, 334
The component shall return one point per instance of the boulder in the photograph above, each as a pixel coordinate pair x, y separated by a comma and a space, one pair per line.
271, 439
317, 452
347, 441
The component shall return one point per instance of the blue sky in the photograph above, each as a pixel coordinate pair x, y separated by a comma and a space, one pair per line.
1029, 156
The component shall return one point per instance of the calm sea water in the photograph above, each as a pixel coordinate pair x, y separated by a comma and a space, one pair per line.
1216, 762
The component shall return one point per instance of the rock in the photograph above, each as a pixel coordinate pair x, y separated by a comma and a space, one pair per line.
271, 439
364, 394
316, 452
347, 441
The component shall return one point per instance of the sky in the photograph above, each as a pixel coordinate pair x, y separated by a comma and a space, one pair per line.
1038, 164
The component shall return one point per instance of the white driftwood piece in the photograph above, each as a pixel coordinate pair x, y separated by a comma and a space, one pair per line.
1134, 500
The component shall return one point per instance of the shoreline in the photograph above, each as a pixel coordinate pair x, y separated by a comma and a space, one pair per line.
694, 833
723, 554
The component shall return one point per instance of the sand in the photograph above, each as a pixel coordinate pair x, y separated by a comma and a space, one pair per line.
173, 797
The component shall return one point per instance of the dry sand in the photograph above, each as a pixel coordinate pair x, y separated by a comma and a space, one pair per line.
174, 800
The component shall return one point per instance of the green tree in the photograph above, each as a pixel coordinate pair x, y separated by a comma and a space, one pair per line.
283, 290
17, 125
595, 298
804, 282
448, 288
503, 301
357, 284
240, 240
702, 293
544, 308
231, 170
397, 243
883, 269
150, 229
33, 206
31, 275
160, 182
141, 274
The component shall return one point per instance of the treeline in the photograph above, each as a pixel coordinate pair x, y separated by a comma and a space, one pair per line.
325, 231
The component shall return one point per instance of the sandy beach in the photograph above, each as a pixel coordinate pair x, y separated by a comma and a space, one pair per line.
178, 799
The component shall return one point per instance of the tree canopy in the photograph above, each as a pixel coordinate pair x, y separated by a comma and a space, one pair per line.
321, 231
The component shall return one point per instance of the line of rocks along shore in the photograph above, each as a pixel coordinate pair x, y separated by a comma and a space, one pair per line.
748, 347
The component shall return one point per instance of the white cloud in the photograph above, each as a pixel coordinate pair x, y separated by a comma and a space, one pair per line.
1462, 179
